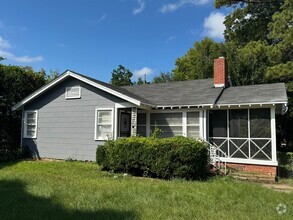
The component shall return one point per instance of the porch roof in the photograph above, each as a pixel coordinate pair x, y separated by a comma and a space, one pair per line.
254, 94
183, 93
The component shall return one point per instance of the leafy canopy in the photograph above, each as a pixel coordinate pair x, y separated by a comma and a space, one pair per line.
121, 76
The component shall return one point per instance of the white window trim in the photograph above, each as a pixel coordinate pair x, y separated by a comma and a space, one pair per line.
25, 125
72, 97
96, 117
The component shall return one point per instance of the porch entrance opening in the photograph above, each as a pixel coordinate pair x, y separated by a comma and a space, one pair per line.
124, 122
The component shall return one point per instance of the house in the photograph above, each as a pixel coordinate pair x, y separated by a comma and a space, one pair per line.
73, 114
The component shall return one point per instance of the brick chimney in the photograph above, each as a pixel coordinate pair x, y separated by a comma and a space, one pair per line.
220, 72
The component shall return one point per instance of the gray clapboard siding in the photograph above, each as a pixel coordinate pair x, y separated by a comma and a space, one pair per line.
66, 127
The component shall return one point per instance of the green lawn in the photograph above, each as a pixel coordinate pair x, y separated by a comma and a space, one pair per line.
76, 190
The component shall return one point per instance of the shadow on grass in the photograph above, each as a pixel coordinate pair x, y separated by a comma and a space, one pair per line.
17, 203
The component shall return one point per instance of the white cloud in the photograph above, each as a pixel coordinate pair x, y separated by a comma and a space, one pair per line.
4, 44
143, 71
214, 25
171, 38
140, 8
180, 3
103, 17
5, 53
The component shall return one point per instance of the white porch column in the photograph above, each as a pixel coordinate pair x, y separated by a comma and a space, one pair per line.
273, 134
133, 121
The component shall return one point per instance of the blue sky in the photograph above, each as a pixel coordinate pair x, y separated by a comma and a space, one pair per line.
93, 37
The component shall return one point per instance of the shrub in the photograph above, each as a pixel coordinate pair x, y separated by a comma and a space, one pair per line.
176, 157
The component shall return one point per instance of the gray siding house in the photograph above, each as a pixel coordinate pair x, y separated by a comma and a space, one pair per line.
73, 114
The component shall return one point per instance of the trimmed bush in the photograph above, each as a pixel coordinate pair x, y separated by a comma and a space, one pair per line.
176, 157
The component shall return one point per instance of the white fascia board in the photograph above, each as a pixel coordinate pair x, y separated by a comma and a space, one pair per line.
183, 106
106, 89
250, 104
39, 91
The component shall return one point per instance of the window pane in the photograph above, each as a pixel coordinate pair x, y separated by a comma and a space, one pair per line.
260, 124
141, 131
105, 117
166, 118
218, 123
31, 128
238, 123
193, 131
141, 118
192, 117
104, 131
30, 133
31, 115
169, 131
31, 121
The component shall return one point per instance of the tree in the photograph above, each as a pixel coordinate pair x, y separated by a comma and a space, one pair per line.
249, 21
15, 84
139, 81
163, 77
197, 63
53, 75
121, 76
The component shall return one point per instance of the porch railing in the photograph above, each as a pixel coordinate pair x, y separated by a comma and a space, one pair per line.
216, 155
244, 148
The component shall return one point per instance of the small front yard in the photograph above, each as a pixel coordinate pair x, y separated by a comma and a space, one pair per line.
76, 190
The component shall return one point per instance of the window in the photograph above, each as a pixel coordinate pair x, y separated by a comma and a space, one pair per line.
73, 92
30, 124
104, 124
141, 124
192, 124
169, 123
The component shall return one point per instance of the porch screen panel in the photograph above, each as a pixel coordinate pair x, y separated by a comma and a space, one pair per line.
260, 133
141, 124
218, 123
169, 123
238, 123
193, 124
260, 123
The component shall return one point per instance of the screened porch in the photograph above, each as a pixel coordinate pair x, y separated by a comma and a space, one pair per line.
244, 135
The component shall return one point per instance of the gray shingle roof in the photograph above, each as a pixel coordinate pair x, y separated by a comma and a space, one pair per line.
194, 92
263, 93
115, 88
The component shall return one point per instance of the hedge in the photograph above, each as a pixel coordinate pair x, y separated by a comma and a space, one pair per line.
176, 157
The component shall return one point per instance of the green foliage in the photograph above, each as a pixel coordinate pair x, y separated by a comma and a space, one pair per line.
163, 77
157, 132
249, 21
198, 62
121, 76
15, 84
166, 158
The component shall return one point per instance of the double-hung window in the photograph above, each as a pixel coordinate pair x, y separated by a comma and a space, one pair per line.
104, 124
30, 124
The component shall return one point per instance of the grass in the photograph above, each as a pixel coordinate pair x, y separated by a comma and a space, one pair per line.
76, 190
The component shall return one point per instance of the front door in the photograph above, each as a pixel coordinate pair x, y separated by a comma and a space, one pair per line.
124, 123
